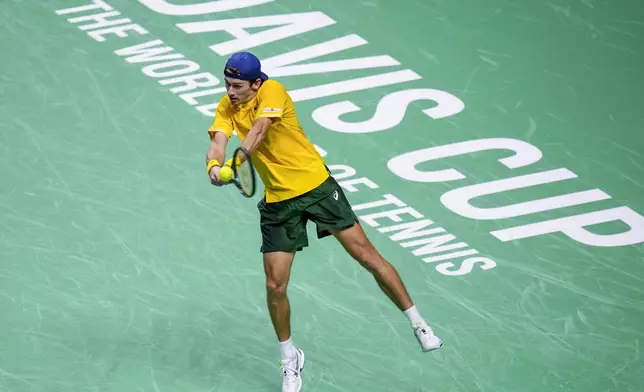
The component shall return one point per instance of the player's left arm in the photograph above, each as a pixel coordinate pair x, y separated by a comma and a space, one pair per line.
270, 108
257, 133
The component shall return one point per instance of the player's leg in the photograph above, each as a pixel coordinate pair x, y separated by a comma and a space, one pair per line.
283, 234
277, 267
333, 215
356, 243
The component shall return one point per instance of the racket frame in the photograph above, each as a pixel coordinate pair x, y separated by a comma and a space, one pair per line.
248, 161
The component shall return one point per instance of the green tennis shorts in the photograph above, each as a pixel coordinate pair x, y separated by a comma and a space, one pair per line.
283, 223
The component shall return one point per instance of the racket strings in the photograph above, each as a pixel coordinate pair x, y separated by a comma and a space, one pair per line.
245, 177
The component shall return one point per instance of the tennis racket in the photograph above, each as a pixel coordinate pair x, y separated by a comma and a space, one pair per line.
244, 172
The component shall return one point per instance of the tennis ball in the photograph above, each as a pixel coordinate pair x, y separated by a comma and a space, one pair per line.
225, 174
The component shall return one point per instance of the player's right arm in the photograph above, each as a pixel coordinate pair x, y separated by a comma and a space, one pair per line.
220, 131
216, 154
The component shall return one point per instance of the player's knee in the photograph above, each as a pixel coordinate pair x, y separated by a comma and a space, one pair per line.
275, 288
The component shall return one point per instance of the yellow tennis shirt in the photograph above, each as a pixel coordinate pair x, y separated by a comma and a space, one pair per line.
286, 161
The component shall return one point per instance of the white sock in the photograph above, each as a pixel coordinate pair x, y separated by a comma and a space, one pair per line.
287, 350
413, 316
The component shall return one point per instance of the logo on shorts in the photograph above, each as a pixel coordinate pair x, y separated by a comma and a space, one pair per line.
335, 195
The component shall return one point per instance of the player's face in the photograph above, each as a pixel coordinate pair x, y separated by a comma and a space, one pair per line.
240, 91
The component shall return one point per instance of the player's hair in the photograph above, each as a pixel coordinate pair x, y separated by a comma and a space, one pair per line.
235, 71
251, 82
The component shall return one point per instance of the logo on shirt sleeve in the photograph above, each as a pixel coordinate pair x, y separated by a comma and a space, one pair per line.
271, 110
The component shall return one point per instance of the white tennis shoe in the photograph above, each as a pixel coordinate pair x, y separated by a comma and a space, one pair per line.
292, 372
426, 337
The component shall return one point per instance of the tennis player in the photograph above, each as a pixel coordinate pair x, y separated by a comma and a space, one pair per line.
298, 188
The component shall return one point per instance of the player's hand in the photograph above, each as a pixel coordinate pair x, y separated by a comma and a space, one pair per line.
214, 176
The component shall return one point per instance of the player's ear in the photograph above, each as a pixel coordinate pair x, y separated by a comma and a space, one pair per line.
256, 84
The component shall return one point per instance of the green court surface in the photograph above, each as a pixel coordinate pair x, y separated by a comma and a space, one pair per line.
123, 269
